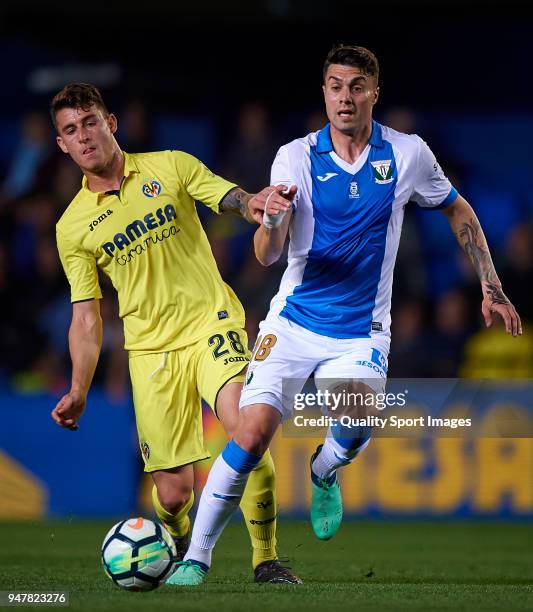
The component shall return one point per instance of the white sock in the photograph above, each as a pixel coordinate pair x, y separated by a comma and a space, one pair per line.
333, 456
220, 498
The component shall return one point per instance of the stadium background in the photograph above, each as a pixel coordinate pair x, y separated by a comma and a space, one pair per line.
230, 85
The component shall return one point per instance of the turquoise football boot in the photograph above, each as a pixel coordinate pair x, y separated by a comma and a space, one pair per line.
326, 504
188, 573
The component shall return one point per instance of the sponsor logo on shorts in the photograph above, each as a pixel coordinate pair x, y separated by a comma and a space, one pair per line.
377, 362
145, 449
151, 189
235, 360
249, 379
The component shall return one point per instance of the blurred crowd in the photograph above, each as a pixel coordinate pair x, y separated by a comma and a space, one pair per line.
437, 327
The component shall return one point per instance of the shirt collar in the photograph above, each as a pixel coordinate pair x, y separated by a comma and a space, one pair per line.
376, 139
324, 144
130, 165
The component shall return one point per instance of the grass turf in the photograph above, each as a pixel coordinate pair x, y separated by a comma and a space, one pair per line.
369, 565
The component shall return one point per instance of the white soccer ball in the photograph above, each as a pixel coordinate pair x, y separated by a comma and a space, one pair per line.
138, 554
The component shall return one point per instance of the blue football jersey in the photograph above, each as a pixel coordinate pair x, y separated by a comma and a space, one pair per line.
346, 226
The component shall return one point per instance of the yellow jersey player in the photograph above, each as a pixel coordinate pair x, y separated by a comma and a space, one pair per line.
135, 219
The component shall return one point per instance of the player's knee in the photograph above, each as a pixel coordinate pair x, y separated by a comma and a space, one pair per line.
360, 400
257, 424
173, 499
252, 439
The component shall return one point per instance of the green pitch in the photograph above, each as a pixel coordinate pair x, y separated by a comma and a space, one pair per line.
367, 566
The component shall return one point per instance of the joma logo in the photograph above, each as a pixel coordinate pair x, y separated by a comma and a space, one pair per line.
100, 219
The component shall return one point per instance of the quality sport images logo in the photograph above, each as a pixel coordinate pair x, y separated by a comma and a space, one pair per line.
151, 189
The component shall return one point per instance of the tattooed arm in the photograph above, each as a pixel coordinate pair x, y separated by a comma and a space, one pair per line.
251, 206
466, 227
236, 201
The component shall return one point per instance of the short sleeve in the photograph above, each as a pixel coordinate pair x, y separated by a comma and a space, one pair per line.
199, 182
80, 269
431, 187
281, 172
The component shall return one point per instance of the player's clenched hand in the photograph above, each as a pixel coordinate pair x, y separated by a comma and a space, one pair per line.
69, 409
495, 301
273, 200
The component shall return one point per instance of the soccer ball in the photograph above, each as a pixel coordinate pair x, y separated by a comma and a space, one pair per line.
138, 554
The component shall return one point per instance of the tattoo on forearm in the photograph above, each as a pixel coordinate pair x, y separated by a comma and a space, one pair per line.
471, 238
236, 201
475, 247
496, 295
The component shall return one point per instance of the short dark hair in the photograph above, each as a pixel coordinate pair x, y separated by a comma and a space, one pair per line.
77, 95
350, 55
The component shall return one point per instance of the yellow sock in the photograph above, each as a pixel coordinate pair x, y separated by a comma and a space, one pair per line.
177, 524
259, 508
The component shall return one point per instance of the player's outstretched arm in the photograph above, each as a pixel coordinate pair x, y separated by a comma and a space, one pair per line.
269, 239
85, 341
251, 206
466, 227
236, 201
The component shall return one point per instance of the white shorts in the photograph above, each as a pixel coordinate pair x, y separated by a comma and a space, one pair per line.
285, 351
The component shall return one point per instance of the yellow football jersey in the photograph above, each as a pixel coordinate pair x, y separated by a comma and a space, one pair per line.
148, 239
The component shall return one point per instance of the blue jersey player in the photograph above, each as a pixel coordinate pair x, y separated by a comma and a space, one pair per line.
331, 315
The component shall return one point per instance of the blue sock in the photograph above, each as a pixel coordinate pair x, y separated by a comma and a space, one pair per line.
340, 448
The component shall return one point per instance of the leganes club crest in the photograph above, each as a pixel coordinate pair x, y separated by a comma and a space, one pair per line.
382, 171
